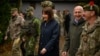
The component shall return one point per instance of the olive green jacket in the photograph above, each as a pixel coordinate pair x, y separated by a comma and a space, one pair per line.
73, 39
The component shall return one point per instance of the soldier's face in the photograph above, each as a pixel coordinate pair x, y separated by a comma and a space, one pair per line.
87, 15
29, 13
14, 13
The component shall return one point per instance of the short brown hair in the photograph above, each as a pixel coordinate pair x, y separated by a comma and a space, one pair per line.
13, 10
49, 12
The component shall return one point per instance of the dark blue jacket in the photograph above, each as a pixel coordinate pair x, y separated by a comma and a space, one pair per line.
49, 38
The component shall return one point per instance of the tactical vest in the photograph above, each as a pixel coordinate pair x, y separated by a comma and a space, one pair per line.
29, 27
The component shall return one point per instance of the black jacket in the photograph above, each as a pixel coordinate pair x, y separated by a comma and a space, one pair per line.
49, 38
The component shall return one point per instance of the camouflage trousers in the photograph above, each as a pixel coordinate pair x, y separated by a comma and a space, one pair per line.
30, 46
16, 50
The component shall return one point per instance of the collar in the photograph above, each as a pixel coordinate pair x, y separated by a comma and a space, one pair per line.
92, 28
78, 22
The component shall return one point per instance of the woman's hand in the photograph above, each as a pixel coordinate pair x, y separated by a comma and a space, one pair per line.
43, 51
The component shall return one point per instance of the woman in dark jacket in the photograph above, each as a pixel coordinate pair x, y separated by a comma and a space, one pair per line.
49, 35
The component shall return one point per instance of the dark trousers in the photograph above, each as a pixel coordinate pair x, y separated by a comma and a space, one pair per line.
23, 48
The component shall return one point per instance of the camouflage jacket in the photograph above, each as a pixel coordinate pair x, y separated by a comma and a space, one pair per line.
31, 27
31, 31
90, 40
14, 27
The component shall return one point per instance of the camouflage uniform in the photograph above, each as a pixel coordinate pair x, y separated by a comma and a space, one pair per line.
90, 37
13, 31
30, 31
90, 40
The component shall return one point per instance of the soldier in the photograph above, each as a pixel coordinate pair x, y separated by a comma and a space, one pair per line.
90, 37
14, 30
30, 32
67, 19
22, 39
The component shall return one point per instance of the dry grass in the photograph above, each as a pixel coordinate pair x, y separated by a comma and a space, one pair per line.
5, 49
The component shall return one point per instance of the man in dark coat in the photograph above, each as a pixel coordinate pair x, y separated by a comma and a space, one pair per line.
73, 38
67, 19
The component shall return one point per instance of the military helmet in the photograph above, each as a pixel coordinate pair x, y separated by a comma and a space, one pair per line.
47, 4
30, 8
92, 7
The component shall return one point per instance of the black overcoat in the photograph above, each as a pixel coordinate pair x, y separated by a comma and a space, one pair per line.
49, 38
